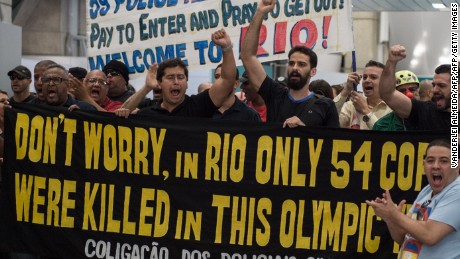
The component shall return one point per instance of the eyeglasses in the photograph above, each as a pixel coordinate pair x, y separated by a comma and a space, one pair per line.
112, 73
56, 80
94, 81
17, 77
411, 89
179, 77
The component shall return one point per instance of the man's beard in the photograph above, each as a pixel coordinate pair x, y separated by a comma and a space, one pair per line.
447, 101
297, 84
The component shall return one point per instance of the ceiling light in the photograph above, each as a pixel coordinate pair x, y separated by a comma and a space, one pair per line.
438, 5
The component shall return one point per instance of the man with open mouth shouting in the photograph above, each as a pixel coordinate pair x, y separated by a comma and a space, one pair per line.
55, 81
362, 110
172, 75
431, 227
434, 115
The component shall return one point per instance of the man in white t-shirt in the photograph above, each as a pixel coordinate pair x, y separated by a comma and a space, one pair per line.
431, 228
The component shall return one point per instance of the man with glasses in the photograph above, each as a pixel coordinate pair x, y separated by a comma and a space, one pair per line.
94, 91
55, 81
434, 115
21, 78
172, 76
117, 78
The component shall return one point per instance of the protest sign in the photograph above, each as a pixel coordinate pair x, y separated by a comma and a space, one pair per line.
141, 32
92, 185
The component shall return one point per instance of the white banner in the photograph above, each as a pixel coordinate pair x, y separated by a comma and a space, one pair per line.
142, 32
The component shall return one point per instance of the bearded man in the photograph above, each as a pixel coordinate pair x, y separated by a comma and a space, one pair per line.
295, 105
431, 115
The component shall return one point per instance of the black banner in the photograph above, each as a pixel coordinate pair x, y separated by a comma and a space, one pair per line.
92, 185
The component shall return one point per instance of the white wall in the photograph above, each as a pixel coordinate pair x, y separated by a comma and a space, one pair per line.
10, 53
426, 36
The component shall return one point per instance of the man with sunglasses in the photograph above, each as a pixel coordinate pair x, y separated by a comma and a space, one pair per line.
21, 78
252, 98
117, 78
434, 115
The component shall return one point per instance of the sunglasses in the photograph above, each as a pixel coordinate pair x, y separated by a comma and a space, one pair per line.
17, 77
411, 89
112, 73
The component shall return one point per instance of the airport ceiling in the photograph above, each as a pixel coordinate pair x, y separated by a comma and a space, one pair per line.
400, 5
371, 5
361, 5
21, 11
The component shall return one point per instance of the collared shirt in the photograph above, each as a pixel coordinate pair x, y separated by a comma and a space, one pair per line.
350, 118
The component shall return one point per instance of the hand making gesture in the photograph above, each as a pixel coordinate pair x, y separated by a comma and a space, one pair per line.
265, 6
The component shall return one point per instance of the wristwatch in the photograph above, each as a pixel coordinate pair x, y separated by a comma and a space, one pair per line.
367, 117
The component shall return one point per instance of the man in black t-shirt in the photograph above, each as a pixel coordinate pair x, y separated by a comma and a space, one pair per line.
431, 115
55, 80
21, 78
172, 75
233, 108
295, 105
